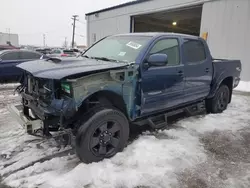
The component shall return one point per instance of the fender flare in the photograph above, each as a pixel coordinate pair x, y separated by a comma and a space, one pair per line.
217, 83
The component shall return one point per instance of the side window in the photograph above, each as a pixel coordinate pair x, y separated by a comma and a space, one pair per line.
10, 56
30, 55
56, 52
169, 47
194, 51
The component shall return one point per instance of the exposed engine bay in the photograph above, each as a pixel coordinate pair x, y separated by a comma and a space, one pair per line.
46, 99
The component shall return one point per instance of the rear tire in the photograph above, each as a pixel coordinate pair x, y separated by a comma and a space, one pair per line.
103, 135
220, 101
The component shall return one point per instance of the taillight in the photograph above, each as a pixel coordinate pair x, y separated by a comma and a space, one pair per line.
64, 55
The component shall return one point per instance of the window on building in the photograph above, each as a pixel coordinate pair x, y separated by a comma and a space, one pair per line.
30, 55
194, 51
170, 47
10, 56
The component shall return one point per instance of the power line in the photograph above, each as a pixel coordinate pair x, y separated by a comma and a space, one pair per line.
74, 18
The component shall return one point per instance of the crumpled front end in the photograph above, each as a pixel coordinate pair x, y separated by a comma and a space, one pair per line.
47, 100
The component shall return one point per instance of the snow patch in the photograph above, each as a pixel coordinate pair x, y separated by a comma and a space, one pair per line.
9, 86
147, 161
243, 86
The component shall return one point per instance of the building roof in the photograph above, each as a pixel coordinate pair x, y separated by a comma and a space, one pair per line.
117, 6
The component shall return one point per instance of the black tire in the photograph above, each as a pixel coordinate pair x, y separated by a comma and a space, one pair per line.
220, 101
105, 133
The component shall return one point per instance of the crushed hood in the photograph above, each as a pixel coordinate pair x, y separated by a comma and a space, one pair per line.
67, 67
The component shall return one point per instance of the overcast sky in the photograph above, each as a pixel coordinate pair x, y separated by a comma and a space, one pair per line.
31, 18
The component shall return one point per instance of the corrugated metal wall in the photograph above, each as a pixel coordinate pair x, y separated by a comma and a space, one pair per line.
228, 25
118, 20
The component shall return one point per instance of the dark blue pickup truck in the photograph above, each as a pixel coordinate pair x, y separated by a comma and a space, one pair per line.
124, 79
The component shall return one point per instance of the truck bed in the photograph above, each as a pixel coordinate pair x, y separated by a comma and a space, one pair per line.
226, 68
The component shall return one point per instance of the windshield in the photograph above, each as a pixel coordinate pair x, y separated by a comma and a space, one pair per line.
119, 48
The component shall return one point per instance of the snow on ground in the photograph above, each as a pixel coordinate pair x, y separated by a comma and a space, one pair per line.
199, 152
243, 86
9, 86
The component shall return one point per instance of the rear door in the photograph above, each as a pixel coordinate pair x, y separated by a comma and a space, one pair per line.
162, 87
198, 69
9, 60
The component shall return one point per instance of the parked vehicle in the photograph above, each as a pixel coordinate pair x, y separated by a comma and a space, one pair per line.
77, 51
62, 53
10, 58
7, 47
44, 51
126, 79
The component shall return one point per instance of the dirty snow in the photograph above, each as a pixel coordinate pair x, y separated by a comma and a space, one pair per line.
9, 86
243, 86
194, 152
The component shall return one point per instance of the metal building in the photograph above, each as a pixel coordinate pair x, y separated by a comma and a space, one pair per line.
224, 23
5, 38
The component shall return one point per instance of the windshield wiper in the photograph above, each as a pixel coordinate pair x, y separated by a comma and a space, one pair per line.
104, 59
85, 56
108, 59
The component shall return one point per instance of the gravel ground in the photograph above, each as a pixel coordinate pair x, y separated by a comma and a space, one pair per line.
207, 151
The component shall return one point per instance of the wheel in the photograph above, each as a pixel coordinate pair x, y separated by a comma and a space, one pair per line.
103, 135
220, 101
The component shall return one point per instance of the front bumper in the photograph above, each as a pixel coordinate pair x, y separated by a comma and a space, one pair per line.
30, 126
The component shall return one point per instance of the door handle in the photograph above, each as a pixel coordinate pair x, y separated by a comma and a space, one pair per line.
207, 70
180, 73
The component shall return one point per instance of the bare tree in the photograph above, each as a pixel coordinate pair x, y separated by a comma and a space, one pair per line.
65, 43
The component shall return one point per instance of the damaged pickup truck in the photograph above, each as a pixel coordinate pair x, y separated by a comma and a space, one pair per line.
122, 80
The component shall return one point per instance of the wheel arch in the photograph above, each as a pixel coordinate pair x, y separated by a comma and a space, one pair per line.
107, 98
228, 81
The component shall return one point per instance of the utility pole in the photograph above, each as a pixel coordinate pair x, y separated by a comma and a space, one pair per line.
74, 18
44, 38
9, 34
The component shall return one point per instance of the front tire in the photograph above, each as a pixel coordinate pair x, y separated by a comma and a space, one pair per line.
220, 101
103, 135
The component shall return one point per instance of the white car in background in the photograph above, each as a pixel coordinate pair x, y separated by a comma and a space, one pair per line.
62, 53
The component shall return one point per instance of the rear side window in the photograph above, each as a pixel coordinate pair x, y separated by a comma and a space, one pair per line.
194, 51
170, 47
30, 55
56, 52
10, 56
68, 51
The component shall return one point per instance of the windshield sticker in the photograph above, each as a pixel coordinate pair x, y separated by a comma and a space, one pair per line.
122, 54
134, 45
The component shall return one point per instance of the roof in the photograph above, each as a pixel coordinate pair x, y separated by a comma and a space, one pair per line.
18, 50
13, 50
117, 6
156, 34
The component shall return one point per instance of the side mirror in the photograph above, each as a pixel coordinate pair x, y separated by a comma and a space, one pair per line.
158, 60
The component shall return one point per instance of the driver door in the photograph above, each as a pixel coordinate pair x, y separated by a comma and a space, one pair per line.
162, 87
